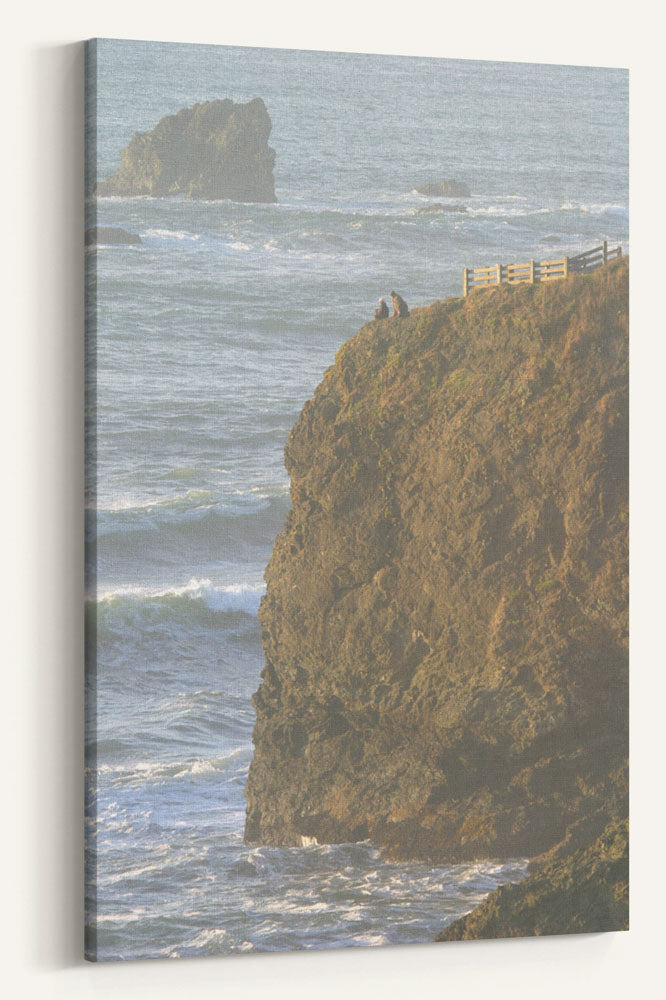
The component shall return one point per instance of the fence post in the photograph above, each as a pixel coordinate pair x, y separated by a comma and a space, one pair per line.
464, 281
566, 267
531, 272
604, 250
619, 252
499, 274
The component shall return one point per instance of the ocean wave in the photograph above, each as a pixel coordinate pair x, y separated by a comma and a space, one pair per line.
603, 208
388, 204
239, 597
128, 197
127, 917
213, 937
94, 247
291, 251
203, 499
507, 212
175, 234
197, 515
132, 503
130, 874
159, 772
117, 821
184, 472
369, 939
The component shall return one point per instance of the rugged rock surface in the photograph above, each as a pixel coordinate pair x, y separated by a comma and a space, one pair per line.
214, 150
447, 188
437, 207
445, 621
110, 234
586, 892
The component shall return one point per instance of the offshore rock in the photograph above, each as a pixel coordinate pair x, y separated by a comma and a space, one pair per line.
445, 620
214, 150
447, 188
109, 235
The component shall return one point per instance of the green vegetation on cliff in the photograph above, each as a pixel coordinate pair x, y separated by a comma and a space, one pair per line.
445, 622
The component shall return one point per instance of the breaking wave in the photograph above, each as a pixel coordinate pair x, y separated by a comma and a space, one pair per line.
244, 597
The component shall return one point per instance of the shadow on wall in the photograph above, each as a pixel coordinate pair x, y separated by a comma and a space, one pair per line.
54, 718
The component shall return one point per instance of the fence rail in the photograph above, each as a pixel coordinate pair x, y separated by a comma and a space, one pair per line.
539, 270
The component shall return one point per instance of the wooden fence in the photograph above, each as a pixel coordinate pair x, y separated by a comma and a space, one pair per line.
538, 270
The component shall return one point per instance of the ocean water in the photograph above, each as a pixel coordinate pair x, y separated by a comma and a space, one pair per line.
210, 336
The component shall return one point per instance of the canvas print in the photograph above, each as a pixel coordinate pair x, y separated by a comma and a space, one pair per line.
356, 472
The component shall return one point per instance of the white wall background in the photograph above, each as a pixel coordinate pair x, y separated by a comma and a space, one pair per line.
41, 488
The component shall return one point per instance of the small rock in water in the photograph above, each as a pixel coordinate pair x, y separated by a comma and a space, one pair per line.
110, 234
446, 188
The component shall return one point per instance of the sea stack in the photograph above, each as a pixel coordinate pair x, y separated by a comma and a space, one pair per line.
446, 188
213, 150
445, 619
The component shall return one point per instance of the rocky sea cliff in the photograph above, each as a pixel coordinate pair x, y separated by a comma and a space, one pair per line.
584, 892
445, 621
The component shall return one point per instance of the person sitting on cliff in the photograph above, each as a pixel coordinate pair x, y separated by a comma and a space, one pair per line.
382, 312
399, 305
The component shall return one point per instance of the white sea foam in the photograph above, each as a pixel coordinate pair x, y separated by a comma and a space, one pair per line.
206, 938
157, 772
611, 208
371, 940
131, 916
230, 597
127, 502
128, 197
176, 234
190, 500
113, 246
130, 873
504, 210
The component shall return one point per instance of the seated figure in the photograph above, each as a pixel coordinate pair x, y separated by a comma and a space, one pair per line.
382, 312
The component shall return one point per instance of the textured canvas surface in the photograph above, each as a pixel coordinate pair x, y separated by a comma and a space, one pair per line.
421, 733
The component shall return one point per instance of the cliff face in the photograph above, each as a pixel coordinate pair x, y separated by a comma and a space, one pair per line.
214, 150
445, 622
586, 892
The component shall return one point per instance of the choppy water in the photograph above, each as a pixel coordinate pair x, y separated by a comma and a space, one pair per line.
210, 336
